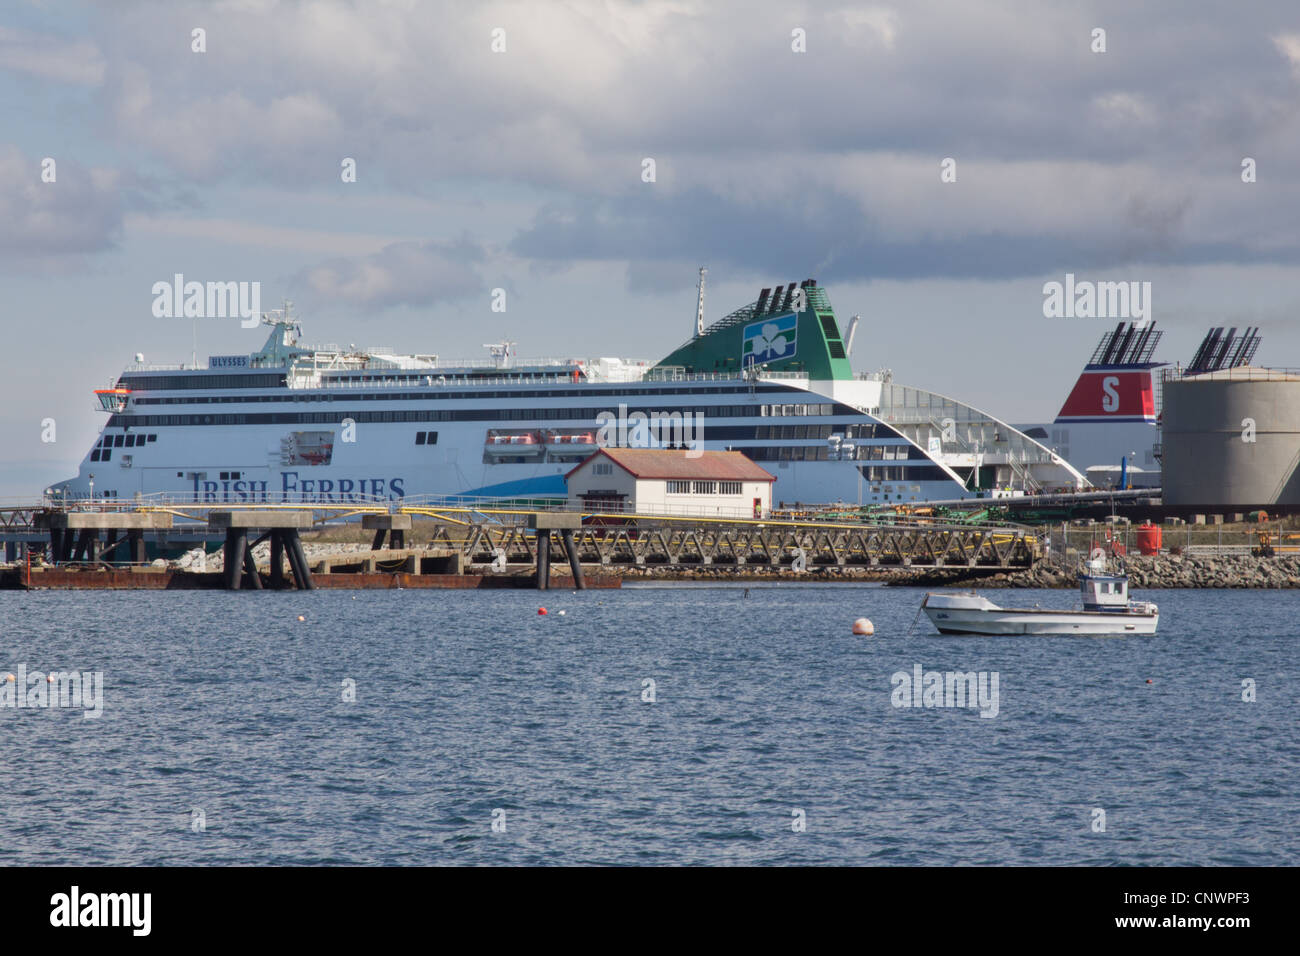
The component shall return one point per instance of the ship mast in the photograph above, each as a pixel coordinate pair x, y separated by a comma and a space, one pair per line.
699, 303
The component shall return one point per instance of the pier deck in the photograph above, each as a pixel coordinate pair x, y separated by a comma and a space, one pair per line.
458, 540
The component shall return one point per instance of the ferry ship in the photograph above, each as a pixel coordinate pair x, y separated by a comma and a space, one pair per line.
329, 424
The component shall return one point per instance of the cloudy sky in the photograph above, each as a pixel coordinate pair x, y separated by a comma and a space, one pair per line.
522, 170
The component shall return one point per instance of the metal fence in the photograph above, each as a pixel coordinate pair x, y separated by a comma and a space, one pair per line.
1062, 540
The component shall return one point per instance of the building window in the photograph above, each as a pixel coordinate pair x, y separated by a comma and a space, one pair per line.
729, 488
706, 487
679, 487
603, 468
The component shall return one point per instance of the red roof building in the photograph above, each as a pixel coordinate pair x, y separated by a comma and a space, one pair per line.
671, 482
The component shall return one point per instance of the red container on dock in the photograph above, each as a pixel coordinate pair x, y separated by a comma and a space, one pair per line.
1148, 539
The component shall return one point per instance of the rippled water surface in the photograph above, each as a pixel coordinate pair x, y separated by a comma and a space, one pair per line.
470, 702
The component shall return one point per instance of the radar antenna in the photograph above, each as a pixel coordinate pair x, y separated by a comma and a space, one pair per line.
699, 303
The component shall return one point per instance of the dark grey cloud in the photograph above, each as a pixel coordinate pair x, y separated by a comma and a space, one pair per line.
775, 239
824, 158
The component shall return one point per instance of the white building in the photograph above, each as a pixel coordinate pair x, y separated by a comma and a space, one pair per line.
723, 484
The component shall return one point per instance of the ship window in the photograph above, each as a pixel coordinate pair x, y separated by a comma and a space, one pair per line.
433, 438
225, 476
94, 455
118, 441
108, 455
153, 438
180, 474
419, 437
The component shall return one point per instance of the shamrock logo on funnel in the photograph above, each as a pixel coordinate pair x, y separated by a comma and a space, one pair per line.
772, 341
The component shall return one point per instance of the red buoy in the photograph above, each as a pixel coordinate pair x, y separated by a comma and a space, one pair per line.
541, 610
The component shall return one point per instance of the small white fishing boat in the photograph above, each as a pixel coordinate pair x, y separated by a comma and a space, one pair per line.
1106, 609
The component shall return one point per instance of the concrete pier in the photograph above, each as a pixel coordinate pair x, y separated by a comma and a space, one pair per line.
395, 526
281, 527
74, 535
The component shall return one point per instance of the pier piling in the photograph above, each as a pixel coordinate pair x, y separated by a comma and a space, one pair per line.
575, 565
566, 522
277, 560
74, 535
282, 529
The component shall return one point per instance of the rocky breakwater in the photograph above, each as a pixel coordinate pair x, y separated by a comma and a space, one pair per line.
1164, 571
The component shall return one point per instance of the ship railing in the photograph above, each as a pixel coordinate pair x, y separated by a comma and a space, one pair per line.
431, 378
182, 367
678, 375
1241, 373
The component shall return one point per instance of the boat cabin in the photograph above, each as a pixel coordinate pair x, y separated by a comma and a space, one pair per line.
1104, 592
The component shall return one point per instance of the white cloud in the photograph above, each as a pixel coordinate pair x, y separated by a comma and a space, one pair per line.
402, 273
77, 214
881, 23
78, 62
1288, 44
249, 233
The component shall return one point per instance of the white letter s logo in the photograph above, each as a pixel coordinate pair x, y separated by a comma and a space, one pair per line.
1110, 401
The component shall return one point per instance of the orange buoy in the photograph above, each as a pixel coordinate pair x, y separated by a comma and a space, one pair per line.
301, 618
1150, 681
864, 627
